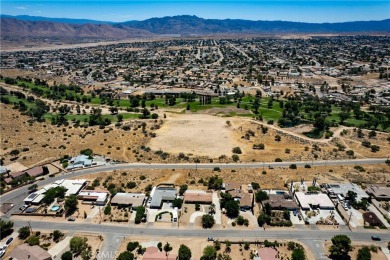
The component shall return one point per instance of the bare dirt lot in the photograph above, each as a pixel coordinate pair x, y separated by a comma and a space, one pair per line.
196, 134
273, 179
197, 245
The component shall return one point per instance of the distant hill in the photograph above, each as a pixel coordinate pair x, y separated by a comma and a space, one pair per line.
187, 24
33, 27
56, 20
14, 28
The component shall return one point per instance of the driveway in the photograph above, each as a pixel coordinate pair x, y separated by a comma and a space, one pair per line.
218, 213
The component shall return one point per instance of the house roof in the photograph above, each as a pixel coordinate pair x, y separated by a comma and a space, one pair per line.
34, 172
198, 196
246, 200
152, 253
25, 251
134, 199
379, 192
232, 186
278, 201
16, 174
308, 200
267, 253
162, 193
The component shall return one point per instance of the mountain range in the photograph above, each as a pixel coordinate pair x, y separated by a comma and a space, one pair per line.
185, 25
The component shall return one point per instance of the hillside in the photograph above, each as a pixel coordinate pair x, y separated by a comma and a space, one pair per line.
11, 28
186, 24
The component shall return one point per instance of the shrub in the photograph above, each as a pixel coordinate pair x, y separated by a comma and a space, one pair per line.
139, 214
293, 166
131, 185
207, 221
235, 158
33, 240
237, 150
131, 246
24, 232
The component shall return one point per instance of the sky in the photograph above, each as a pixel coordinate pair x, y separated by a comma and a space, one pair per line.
125, 10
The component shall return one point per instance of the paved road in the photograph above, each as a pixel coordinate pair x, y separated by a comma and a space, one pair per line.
115, 233
18, 195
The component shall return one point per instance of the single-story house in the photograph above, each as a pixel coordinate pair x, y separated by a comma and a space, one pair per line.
246, 201
380, 193
308, 201
162, 194
128, 199
25, 251
93, 197
153, 253
198, 196
35, 171
279, 202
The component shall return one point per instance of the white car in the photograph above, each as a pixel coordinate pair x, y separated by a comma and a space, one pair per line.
2, 252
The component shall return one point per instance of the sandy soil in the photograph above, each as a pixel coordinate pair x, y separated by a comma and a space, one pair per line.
197, 245
196, 134
356, 246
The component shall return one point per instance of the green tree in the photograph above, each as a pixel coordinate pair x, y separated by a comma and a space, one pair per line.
167, 248
52, 193
209, 253
298, 254
24, 232
33, 240
57, 235
78, 244
261, 196
71, 203
215, 183
232, 208
341, 245
176, 203
207, 221
184, 252
183, 189
125, 256
131, 246
6, 227
67, 256
364, 253
343, 116
107, 210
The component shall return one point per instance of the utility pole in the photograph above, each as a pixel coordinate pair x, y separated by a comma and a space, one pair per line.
29, 224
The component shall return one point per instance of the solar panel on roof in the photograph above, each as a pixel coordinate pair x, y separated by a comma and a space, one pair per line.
32, 195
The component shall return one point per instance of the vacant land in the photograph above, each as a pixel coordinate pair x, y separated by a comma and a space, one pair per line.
273, 179
196, 134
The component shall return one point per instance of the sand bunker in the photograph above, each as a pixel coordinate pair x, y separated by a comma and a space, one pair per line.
197, 134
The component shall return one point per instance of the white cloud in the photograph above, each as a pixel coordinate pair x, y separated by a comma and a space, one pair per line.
21, 7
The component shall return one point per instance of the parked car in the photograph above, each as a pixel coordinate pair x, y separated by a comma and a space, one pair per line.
376, 238
71, 219
2, 252
210, 239
23, 207
9, 240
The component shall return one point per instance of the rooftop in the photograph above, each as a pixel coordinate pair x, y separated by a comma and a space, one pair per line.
25, 251
198, 196
152, 253
134, 199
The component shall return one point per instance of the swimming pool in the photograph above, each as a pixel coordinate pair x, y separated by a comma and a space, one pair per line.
55, 208
280, 192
